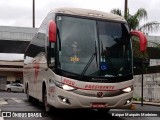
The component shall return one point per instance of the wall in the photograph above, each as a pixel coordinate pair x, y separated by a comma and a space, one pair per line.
151, 85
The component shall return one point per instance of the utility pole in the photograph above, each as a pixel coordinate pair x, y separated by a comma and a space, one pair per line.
33, 14
125, 8
142, 83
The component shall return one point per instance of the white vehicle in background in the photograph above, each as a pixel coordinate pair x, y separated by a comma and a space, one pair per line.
81, 58
14, 87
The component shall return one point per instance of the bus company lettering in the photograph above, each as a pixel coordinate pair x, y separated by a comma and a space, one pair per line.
99, 87
68, 82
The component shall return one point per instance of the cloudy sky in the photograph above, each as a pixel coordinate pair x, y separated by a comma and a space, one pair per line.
19, 12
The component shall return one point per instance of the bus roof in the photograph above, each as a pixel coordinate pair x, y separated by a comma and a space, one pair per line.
89, 13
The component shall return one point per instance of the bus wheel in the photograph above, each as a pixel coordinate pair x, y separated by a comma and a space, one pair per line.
103, 111
46, 105
28, 96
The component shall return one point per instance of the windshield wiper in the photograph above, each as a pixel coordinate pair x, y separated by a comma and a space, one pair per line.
90, 61
58, 34
96, 54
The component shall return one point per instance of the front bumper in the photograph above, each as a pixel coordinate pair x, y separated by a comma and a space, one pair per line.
68, 99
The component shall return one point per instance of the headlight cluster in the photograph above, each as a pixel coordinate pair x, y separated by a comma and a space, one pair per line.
128, 89
64, 86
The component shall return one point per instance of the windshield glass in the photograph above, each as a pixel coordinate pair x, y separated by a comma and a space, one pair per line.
93, 48
115, 49
78, 40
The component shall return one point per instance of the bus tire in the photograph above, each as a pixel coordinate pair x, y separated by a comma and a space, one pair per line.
29, 98
35, 102
47, 107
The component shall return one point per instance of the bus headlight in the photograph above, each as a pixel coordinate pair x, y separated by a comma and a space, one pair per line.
64, 86
128, 89
67, 87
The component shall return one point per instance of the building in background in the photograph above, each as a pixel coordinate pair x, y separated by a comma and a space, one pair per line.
10, 72
13, 40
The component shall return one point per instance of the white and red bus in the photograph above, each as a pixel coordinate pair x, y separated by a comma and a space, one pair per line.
81, 58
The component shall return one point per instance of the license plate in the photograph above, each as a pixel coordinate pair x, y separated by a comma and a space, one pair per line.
98, 105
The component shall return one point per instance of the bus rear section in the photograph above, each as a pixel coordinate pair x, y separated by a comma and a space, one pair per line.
81, 58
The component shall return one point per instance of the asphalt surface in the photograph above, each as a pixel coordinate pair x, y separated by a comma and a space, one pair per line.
17, 102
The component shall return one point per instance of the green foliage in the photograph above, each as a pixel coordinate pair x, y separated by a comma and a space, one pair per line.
150, 27
134, 20
117, 12
137, 99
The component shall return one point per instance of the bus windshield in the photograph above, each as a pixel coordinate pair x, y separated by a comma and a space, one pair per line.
89, 47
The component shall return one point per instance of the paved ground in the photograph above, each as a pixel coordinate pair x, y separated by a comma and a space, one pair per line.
17, 102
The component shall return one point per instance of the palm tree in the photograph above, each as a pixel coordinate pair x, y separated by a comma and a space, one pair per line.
134, 24
134, 20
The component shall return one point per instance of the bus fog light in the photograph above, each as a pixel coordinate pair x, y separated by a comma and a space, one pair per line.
128, 101
64, 99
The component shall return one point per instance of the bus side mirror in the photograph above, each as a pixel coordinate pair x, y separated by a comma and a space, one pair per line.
140, 55
52, 31
142, 38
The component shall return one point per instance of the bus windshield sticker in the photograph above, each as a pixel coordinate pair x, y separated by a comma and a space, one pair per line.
74, 59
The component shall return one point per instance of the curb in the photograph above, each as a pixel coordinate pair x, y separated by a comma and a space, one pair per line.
147, 103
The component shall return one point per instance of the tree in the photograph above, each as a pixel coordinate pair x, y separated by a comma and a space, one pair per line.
134, 21
134, 24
